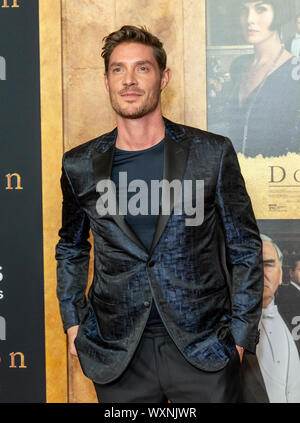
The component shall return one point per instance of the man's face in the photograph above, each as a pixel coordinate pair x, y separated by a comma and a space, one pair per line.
272, 272
295, 274
134, 81
298, 25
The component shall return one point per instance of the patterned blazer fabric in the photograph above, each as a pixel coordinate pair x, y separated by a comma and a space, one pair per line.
206, 280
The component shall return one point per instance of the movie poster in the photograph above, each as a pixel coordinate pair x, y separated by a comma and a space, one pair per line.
253, 97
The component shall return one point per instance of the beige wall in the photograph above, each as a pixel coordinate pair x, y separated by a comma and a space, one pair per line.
86, 110
179, 23
52, 149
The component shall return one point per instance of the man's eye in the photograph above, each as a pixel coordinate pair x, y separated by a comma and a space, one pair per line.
117, 70
143, 68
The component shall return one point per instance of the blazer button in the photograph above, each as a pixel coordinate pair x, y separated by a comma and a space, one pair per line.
146, 304
151, 263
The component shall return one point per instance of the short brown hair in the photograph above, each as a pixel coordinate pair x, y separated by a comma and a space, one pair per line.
133, 34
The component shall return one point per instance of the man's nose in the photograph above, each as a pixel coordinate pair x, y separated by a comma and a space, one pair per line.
129, 78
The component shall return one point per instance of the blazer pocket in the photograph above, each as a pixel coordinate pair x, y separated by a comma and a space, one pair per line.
216, 291
100, 300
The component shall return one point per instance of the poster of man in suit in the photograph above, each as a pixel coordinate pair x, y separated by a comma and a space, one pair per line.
273, 374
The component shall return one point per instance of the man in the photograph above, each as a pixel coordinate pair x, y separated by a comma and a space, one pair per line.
175, 299
276, 351
293, 44
288, 299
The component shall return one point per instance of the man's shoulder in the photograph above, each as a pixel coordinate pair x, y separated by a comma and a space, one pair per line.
196, 135
177, 131
294, 289
286, 294
85, 150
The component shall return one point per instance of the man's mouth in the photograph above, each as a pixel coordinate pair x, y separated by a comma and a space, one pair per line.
127, 93
131, 95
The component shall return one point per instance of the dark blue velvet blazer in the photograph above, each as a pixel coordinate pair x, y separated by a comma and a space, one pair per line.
206, 280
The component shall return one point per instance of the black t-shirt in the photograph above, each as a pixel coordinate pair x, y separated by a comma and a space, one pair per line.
146, 165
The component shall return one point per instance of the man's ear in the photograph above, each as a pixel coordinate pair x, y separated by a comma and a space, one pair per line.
166, 76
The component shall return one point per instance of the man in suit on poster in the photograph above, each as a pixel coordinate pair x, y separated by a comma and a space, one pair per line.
178, 279
288, 299
277, 375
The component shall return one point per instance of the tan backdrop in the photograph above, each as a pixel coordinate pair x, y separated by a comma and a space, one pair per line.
82, 104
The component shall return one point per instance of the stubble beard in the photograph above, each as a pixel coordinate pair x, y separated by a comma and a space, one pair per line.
148, 106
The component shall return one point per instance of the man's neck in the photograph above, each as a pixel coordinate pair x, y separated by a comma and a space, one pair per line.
139, 134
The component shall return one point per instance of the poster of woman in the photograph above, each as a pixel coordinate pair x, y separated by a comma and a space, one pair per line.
261, 89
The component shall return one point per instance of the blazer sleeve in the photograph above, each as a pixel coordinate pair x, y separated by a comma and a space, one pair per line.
243, 250
72, 255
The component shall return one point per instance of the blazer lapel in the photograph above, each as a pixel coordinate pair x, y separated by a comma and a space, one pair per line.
176, 152
102, 167
175, 160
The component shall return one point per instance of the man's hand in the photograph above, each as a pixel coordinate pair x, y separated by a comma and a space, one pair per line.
72, 333
240, 351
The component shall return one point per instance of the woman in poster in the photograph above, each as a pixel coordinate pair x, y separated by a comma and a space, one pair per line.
263, 111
